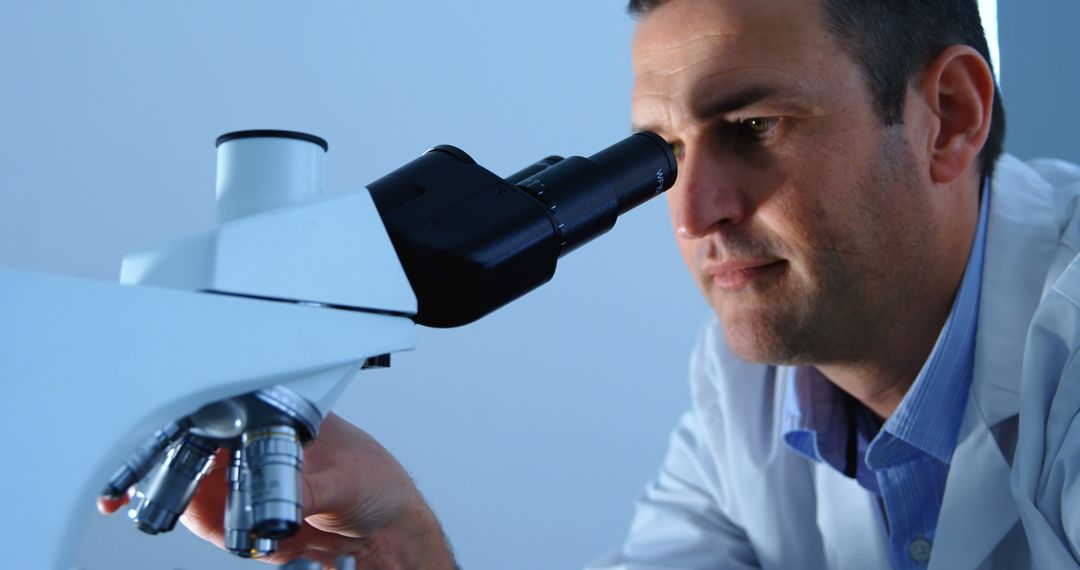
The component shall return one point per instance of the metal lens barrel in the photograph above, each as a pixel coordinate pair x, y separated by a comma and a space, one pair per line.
275, 458
171, 487
142, 461
239, 517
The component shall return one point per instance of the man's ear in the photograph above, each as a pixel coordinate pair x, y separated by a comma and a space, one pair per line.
958, 88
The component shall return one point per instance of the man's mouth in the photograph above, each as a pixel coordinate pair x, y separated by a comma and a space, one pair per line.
738, 273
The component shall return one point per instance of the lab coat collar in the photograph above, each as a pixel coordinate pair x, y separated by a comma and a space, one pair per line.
1020, 242
977, 509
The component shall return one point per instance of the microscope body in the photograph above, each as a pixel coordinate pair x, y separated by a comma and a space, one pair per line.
294, 293
244, 336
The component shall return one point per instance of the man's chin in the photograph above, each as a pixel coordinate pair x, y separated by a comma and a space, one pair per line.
763, 341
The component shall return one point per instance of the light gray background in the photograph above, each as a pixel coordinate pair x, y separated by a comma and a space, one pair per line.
1041, 77
532, 431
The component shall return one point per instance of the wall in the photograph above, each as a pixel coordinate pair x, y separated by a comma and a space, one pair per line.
1041, 78
532, 431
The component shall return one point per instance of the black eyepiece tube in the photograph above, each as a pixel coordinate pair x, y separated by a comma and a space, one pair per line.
586, 195
638, 167
533, 168
471, 242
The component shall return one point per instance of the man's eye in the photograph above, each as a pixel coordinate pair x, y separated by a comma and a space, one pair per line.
759, 127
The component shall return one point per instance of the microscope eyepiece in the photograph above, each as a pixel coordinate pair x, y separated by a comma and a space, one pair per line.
586, 195
471, 242
638, 168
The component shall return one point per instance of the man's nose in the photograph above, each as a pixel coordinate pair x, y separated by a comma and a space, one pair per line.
706, 196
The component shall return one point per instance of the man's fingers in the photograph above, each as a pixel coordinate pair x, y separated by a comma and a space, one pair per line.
109, 505
205, 515
308, 495
314, 544
324, 558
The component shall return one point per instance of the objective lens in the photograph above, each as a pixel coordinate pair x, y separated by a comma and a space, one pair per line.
171, 487
141, 461
237, 525
275, 458
238, 514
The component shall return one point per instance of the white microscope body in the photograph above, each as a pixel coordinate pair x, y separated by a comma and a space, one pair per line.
91, 369
277, 308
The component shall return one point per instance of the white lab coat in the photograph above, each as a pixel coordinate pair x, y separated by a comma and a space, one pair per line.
730, 494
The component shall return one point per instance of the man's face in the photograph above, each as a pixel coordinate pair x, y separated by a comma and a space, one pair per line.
807, 224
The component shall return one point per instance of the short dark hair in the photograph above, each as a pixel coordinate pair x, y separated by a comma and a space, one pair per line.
892, 40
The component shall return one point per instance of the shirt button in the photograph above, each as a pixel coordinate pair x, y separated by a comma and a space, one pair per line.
919, 549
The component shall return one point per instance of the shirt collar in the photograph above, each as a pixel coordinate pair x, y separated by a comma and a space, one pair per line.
928, 418
817, 415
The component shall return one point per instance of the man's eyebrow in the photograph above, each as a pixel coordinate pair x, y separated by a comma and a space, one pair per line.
737, 100
726, 104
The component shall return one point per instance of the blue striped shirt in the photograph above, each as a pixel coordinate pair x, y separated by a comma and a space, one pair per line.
904, 462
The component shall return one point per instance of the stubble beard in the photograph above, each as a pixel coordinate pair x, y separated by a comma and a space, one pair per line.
802, 326
841, 310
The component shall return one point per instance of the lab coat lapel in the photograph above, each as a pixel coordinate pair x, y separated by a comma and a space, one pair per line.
844, 511
978, 509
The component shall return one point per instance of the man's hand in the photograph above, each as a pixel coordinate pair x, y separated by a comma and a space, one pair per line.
356, 500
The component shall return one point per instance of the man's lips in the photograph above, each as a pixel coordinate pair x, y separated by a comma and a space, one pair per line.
737, 273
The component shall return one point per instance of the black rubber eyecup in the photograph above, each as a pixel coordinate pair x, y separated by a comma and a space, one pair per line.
673, 163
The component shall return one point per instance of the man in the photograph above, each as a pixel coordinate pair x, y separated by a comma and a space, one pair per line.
856, 403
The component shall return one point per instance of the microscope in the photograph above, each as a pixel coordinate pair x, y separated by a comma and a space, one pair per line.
243, 337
